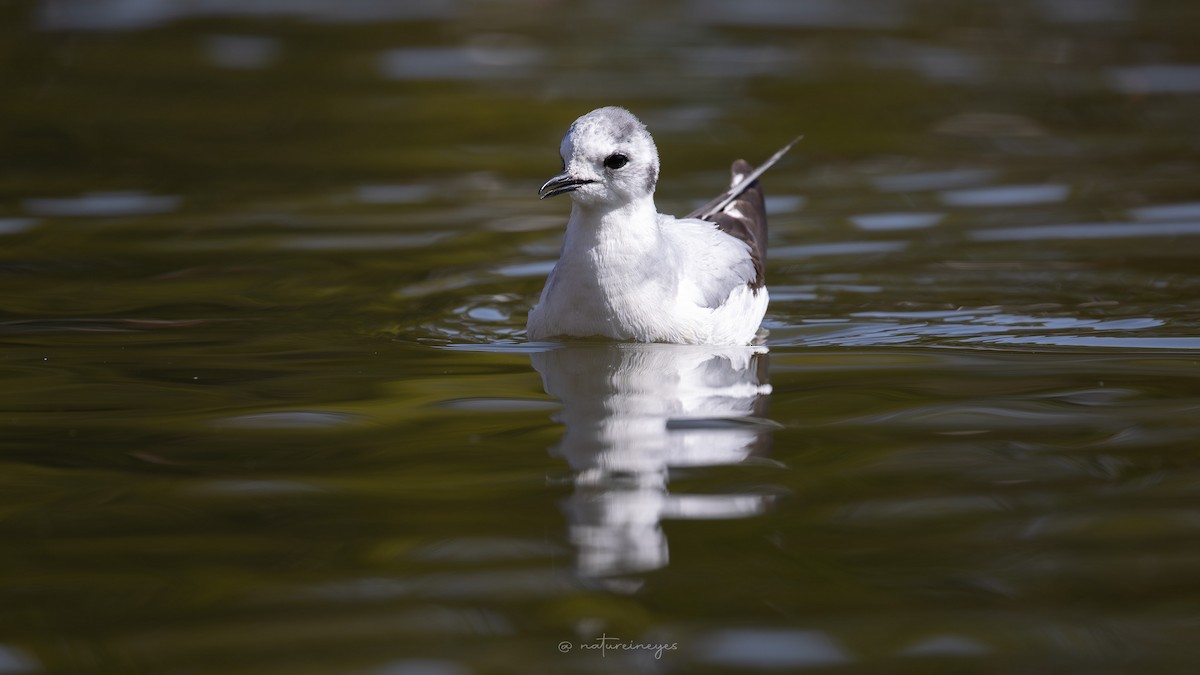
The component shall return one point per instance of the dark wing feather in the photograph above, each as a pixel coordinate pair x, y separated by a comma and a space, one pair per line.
746, 218
740, 211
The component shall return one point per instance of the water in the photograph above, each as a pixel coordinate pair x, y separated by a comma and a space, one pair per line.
264, 269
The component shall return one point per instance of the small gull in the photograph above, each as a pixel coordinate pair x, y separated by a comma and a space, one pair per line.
628, 272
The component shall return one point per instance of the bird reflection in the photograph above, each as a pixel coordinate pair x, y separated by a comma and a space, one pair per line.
632, 413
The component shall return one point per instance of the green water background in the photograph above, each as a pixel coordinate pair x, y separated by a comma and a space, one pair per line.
268, 407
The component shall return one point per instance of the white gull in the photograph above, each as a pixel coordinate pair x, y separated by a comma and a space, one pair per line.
628, 272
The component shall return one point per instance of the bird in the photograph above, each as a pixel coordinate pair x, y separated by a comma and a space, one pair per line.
627, 272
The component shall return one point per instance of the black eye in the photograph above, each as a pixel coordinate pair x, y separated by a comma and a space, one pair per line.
615, 161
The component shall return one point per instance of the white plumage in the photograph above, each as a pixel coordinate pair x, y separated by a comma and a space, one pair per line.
628, 272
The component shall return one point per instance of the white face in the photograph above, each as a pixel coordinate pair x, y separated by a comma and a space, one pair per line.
611, 157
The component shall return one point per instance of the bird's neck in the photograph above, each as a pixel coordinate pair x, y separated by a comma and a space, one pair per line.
629, 227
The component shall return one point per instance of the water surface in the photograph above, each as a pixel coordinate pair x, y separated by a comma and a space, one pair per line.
264, 271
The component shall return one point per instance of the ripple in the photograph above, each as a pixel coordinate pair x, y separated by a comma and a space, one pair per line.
780, 294
1181, 211
491, 405
947, 645
458, 63
242, 52
932, 180
15, 660
16, 225
1156, 79
837, 248
1006, 195
989, 125
1086, 231
533, 269
393, 194
771, 648
254, 487
935, 63
436, 285
489, 314
421, 667
1069, 322
950, 314
729, 61
292, 419
476, 550
920, 508
95, 204
970, 326
126, 15
812, 13
777, 204
362, 242
886, 222
1180, 343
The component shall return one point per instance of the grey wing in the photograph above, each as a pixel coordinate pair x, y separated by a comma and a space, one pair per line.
740, 211
745, 218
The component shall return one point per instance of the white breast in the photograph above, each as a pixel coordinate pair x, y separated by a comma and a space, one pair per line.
681, 281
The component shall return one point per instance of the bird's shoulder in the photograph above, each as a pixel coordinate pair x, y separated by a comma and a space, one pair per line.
711, 262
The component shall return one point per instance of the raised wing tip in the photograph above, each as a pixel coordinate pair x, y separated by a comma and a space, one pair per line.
719, 203
781, 152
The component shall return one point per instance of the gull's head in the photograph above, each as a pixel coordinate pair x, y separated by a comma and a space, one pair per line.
609, 159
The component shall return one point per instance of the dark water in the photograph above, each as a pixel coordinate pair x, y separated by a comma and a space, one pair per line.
268, 408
